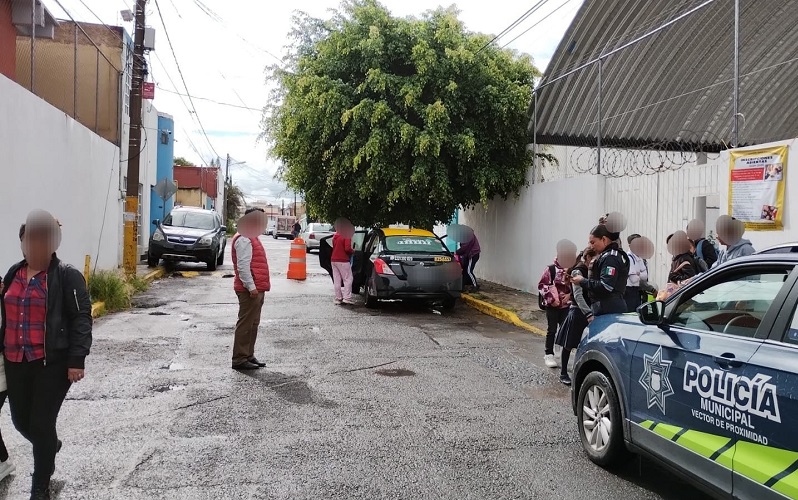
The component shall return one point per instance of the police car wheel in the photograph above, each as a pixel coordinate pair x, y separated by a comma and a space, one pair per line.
599, 415
371, 300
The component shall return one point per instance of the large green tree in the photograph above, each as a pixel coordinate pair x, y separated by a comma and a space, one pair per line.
383, 119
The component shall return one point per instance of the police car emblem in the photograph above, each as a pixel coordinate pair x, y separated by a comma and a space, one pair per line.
655, 380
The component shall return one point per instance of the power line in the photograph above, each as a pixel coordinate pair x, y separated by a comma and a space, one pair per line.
218, 19
209, 100
537, 23
514, 24
180, 72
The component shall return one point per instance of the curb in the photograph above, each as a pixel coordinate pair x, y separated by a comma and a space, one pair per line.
154, 275
500, 314
97, 309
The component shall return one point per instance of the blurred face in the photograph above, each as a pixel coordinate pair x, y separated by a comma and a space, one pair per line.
598, 244
38, 245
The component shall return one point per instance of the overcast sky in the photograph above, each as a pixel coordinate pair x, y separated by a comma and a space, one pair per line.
224, 61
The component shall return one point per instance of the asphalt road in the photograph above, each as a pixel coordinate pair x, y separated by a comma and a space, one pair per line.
463, 406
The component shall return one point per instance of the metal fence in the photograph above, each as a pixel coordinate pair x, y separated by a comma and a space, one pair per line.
80, 68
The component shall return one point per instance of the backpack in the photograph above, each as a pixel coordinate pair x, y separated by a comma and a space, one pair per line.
703, 265
553, 275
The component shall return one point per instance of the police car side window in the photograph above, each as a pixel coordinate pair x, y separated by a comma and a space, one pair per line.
792, 330
734, 306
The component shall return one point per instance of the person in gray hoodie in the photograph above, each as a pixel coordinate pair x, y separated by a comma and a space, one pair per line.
730, 234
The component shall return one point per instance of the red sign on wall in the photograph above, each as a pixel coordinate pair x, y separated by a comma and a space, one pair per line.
148, 90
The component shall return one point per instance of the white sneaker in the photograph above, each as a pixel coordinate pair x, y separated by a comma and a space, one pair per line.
6, 468
550, 361
349, 302
338, 302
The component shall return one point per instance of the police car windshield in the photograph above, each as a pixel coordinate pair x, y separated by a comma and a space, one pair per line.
193, 220
414, 244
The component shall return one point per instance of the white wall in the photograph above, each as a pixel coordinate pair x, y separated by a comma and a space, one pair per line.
519, 236
657, 205
50, 161
764, 239
148, 168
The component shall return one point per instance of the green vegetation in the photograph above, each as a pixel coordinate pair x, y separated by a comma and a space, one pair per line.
113, 288
383, 119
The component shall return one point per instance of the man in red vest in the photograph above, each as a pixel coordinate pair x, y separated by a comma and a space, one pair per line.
251, 283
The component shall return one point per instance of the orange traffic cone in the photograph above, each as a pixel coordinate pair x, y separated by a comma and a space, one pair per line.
297, 267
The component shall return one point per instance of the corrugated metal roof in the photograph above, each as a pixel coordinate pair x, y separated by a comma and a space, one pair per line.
674, 89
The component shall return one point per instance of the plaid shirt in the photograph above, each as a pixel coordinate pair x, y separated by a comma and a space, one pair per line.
26, 315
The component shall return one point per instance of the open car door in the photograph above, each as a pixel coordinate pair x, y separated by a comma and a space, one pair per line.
325, 254
359, 264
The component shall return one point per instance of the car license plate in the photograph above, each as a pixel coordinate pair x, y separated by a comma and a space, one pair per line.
443, 259
180, 247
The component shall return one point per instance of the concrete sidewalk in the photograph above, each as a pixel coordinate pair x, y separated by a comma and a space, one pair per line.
507, 304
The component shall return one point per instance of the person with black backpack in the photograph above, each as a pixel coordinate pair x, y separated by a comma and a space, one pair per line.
554, 296
706, 253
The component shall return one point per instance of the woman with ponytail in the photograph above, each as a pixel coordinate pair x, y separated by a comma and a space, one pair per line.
608, 274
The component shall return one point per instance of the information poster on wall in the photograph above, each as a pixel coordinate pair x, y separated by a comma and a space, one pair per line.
756, 187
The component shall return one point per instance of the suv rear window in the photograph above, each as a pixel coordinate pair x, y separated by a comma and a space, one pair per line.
414, 244
194, 220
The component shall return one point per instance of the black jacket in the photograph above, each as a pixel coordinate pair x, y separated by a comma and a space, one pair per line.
68, 325
607, 284
688, 271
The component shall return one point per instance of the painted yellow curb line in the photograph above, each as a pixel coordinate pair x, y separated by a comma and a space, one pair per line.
97, 309
500, 313
155, 275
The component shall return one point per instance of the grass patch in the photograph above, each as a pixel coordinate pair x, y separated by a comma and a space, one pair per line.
113, 288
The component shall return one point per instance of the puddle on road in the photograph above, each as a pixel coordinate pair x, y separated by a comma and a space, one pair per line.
291, 389
159, 313
395, 372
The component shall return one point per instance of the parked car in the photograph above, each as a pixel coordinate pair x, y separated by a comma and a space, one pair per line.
270, 228
313, 234
705, 383
401, 264
783, 248
189, 235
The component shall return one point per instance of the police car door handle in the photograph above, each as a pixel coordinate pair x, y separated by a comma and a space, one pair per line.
728, 360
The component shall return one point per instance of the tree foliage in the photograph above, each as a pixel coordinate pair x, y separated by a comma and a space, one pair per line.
182, 162
383, 119
235, 202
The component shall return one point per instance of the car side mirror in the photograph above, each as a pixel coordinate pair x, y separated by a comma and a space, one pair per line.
652, 313
224, 229
156, 222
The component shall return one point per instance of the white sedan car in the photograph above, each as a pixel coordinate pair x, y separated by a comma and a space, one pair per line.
313, 234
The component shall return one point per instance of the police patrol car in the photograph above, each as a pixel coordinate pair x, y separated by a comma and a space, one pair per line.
705, 383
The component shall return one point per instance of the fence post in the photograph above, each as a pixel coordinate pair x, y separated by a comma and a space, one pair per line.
97, 92
87, 269
598, 135
32, 44
75, 77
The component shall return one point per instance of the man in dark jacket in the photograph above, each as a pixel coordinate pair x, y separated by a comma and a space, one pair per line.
47, 341
469, 256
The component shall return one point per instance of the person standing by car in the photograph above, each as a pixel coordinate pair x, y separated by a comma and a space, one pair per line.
251, 283
469, 256
638, 275
579, 314
47, 334
730, 233
554, 294
608, 274
683, 265
342, 252
296, 229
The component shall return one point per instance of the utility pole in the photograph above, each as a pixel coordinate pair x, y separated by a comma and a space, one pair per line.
296, 215
226, 182
130, 254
